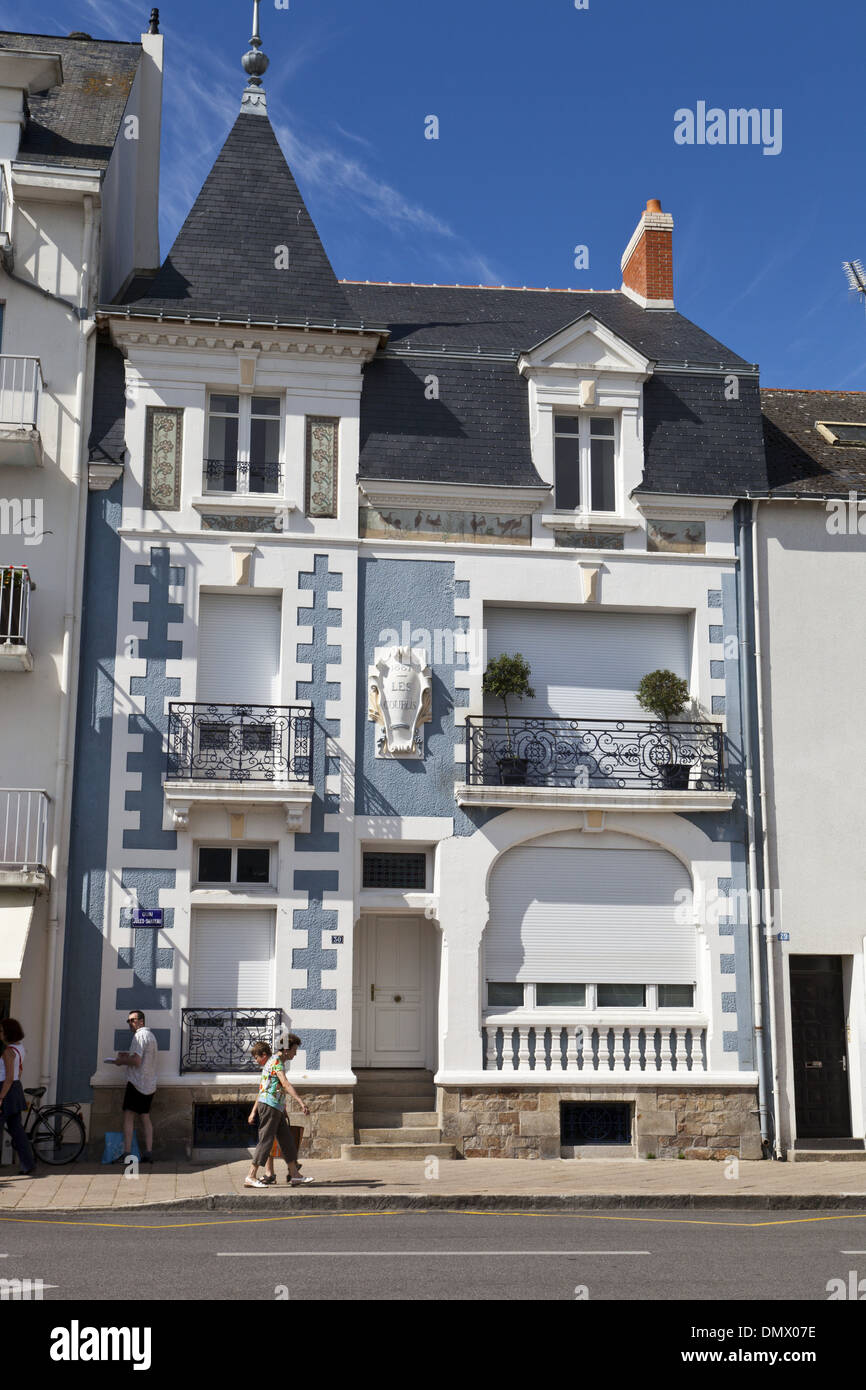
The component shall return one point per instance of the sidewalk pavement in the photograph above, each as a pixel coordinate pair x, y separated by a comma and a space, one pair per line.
480, 1183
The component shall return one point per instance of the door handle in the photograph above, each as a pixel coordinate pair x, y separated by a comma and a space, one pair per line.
372, 994
814, 1064
844, 1061
398, 998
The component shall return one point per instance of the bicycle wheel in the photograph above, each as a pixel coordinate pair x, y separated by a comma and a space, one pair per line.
58, 1136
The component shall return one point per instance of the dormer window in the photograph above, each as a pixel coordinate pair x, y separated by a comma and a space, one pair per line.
243, 444
585, 462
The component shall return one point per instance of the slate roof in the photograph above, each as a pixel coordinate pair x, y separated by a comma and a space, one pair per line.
76, 124
696, 441
223, 259
106, 443
476, 432
511, 321
800, 462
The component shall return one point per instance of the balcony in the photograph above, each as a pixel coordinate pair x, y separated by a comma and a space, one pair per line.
15, 589
233, 476
23, 838
238, 757
219, 1040
645, 1048
20, 390
594, 764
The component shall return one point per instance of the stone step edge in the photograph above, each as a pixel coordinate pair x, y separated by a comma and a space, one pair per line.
395, 1152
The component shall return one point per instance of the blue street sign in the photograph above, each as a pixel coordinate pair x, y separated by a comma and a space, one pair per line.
336, 940
147, 916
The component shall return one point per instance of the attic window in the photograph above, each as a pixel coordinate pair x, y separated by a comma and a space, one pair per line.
843, 433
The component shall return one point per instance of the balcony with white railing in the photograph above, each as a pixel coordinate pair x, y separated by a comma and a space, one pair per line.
23, 838
16, 586
20, 394
661, 1045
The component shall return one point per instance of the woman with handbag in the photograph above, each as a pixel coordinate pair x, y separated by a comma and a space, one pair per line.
269, 1112
12, 1099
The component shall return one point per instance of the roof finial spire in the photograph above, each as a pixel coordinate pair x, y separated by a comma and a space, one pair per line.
255, 64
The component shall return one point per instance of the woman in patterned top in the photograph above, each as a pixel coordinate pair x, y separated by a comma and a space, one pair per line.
270, 1112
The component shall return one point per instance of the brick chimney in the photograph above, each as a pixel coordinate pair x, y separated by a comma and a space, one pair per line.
647, 263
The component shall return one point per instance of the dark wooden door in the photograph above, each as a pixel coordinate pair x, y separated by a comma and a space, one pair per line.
819, 1048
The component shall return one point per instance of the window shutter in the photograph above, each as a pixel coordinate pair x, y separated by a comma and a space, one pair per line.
587, 664
232, 954
590, 916
239, 649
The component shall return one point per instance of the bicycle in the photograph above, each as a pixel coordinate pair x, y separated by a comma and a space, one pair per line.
57, 1134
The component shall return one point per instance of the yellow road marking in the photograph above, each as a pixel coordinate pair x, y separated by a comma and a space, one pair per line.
322, 1215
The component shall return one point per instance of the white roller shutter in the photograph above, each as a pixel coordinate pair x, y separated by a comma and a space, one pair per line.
590, 916
238, 649
231, 965
586, 664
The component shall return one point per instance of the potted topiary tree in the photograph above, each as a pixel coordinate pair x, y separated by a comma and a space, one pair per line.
507, 677
666, 695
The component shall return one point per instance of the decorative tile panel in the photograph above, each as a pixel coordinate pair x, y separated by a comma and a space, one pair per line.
676, 537
322, 462
163, 450
429, 524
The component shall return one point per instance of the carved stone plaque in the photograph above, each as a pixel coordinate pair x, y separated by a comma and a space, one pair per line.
400, 699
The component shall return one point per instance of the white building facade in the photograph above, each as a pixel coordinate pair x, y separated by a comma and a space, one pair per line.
810, 545
331, 504
67, 169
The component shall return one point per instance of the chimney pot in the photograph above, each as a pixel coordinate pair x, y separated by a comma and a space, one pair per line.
654, 205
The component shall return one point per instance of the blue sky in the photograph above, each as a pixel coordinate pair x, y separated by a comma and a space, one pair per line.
556, 126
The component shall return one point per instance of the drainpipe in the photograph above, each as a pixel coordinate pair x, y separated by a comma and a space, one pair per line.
754, 895
769, 952
69, 660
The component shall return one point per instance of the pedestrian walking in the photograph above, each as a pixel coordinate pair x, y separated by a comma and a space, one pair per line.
12, 1098
270, 1112
140, 1063
269, 1176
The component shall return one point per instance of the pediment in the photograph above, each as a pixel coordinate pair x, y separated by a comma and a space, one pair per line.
588, 345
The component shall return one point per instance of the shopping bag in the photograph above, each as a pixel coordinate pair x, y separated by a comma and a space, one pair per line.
297, 1132
114, 1147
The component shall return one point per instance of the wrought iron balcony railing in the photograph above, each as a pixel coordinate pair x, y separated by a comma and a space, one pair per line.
230, 475
15, 586
23, 822
239, 743
220, 1039
20, 388
594, 753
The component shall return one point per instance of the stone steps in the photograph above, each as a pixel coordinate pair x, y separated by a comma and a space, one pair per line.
395, 1119
395, 1116
397, 1135
382, 1152
827, 1156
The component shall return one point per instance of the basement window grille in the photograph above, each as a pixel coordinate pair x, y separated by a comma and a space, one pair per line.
594, 1124
395, 871
222, 1126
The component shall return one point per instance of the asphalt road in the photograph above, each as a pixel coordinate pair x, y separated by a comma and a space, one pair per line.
713, 1256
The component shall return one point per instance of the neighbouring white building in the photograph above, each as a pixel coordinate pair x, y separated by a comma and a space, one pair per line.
811, 568
293, 806
79, 168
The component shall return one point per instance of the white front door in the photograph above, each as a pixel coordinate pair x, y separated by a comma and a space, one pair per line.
390, 987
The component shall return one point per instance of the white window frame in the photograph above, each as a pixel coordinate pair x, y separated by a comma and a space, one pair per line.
231, 884
584, 418
651, 1004
244, 419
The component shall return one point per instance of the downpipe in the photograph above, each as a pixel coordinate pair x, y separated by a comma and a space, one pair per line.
754, 894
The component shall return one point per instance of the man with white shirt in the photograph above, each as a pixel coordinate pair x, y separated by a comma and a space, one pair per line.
140, 1064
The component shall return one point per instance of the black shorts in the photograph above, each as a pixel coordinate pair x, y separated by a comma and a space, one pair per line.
134, 1099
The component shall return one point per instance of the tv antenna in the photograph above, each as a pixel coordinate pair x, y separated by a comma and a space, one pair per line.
856, 277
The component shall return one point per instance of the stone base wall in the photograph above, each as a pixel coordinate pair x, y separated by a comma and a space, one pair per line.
329, 1124
666, 1123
